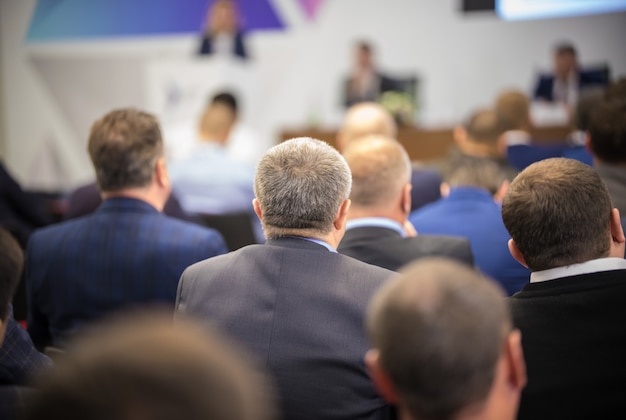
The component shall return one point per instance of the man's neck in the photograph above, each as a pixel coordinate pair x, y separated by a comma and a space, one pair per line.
357, 212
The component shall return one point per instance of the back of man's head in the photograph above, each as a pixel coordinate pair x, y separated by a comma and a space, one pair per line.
300, 185
364, 119
607, 132
124, 147
513, 109
145, 366
485, 127
381, 170
558, 212
443, 344
11, 263
587, 102
477, 172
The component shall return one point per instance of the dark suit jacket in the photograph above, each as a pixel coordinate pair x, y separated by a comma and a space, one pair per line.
126, 253
385, 84
19, 363
574, 343
388, 249
239, 49
299, 308
586, 78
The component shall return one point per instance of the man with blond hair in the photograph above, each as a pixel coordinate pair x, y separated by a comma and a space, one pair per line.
565, 229
294, 302
381, 203
444, 346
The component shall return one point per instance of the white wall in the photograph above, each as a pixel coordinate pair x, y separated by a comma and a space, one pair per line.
51, 93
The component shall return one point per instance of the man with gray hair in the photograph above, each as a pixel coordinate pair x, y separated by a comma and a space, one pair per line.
294, 302
444, 346
381, 202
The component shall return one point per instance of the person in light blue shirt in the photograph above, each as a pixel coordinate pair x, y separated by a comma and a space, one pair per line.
471, 210
211, 180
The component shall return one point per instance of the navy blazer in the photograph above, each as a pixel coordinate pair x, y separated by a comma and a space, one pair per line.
586, 78
239, 49
126, 253
299, 308
472, 213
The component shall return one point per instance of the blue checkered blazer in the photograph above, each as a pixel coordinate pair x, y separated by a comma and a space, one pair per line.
125, 254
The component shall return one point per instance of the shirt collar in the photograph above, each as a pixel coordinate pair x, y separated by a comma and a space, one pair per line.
381, 222
593, 266
317, 241
517, 138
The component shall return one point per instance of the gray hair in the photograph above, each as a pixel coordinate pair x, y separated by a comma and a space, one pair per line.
300, 185
439, 327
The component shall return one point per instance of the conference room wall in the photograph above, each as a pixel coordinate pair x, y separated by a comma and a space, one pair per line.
462, 61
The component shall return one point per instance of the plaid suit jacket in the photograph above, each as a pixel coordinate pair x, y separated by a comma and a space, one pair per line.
125, 254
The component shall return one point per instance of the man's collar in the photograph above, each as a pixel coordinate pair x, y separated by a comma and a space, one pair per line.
381, 222
593, 266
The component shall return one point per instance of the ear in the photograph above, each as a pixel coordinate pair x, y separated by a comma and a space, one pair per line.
515, 252
257, 209
588, 144
515, 360
617, 234
405, 203
504, 187
459, 134
339, 141
3, 328
161, 175
502, 147
342, 215
380, 378
444, 189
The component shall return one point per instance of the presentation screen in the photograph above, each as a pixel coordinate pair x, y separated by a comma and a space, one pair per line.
543, 9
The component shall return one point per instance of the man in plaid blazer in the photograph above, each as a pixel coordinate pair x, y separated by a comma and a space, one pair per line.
125, 254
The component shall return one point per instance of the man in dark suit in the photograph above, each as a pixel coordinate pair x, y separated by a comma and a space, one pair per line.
294, 302
19, 360
366, 83
222, 34
568, 79
127, 252
376, 231
565, 229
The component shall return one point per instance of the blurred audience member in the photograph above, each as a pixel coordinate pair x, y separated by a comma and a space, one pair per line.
568, 79
127, 252
566, 231
211, 180
295, 303
470, 210
151, 369
369, 118
21, 212
376, 232
513, 109
19, 360
607, 144
366, 83
444, 346
222, 33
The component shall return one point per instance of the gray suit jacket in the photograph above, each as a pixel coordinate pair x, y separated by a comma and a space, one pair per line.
299, 308
387, 248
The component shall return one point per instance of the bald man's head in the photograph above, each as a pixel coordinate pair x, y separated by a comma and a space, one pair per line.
380, 168
365, 119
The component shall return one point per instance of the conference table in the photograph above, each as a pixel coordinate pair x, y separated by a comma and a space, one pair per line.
426, 145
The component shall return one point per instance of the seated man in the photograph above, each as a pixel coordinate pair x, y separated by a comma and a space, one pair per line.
19, 360
381, 203
151, 369
366, 119
607, 144
568, 79
444, 347
564, 228
126, 253
471, 211
293, 302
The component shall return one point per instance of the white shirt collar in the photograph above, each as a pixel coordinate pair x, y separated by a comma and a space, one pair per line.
593, 266
516, 138
382, 222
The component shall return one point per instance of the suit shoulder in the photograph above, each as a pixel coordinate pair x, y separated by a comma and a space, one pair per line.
363, 268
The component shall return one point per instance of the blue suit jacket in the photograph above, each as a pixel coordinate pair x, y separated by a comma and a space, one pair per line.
299, 309
472, 213
126, 253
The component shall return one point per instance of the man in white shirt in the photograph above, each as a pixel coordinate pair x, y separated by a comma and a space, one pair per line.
565, 230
